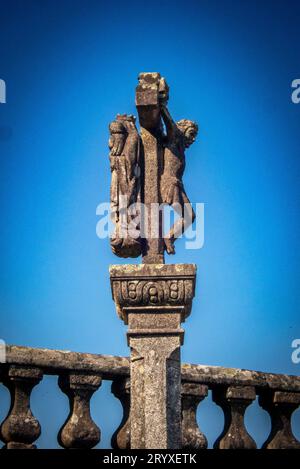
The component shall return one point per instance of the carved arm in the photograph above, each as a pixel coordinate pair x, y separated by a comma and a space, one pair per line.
171, 126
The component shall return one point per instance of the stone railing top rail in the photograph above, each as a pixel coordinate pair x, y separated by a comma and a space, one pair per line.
110, 367
57, 361
219, 375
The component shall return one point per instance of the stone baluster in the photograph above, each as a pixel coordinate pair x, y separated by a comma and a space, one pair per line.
234, 400
20, 428
280, 406
191, 395
79, 431
121, 390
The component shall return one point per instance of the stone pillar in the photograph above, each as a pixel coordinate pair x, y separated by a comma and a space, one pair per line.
153, 299
148, 91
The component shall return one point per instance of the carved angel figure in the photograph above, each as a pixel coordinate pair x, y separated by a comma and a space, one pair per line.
124, 145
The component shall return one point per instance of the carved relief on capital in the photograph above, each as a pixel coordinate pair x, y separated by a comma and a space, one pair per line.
154, 292
153, 286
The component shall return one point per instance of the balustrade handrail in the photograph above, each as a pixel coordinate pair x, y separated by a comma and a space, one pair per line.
111, 367
219, 375
54, 362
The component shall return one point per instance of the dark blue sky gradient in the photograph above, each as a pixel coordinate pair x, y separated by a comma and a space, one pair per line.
70, 67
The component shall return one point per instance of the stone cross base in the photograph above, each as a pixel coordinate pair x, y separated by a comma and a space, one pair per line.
154, 299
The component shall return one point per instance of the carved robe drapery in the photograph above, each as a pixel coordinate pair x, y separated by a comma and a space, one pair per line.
124, 144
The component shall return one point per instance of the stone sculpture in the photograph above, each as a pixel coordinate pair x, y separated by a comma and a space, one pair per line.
124, 144
179, 136
150, 177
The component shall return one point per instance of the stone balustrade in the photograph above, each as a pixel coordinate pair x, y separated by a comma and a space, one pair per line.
234, 390
80, 376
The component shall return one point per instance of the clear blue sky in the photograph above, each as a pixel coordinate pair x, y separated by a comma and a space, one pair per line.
70, 67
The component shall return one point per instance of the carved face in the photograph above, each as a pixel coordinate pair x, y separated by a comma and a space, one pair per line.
190, 135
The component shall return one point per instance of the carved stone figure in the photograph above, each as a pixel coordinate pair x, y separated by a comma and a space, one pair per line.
161, 155
180, 136
124, 144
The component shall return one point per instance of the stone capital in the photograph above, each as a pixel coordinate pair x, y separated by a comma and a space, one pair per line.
153, 289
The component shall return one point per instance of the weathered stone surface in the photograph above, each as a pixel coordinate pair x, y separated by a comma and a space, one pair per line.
280, 406
280, 393
170, 286
79, 431
180, 136
153, 300
121, 390
149, 168
219, 375
148, 94
234, 400
54, 362
125, 168
191, 395
164, 164
155, 392
20, 429
151, 89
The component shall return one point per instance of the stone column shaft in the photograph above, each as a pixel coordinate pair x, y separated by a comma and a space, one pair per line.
153, 300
